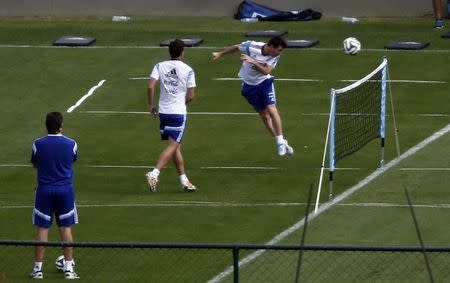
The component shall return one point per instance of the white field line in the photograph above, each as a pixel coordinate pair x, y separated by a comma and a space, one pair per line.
243, 113
339, 198
209, 47
231, 167
83, 98
425, 169
244, 168
314, 80
234, 204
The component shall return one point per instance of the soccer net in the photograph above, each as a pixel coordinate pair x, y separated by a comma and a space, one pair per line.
357, 116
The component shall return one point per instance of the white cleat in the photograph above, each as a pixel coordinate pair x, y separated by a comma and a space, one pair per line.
289, 149
281, 148
37, 274
152, 181
71, 275
188, 187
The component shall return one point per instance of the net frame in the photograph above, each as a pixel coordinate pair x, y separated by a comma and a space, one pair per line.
383, 69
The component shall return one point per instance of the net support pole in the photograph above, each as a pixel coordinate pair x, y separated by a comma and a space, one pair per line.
383, 110
322, 167
391, 99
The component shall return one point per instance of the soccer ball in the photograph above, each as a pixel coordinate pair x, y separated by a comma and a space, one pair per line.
59, 263
351, 46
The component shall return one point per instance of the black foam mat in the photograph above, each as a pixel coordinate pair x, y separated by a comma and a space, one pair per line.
446, 35
407, 45
188, 42
301, 43
268, 33
74, 41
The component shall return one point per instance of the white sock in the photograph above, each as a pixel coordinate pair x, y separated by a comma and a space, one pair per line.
37, 266
68, 265
183, 179
279, 139
156, 172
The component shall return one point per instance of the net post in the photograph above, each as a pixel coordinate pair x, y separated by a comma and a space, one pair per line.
322, 167
383, 109
330, 195
391, 99
332, 145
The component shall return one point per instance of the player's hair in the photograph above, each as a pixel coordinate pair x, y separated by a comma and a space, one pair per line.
53, 122
175, 48
277, 41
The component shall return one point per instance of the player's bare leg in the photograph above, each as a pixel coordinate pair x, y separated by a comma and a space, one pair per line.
179, 164
164, 158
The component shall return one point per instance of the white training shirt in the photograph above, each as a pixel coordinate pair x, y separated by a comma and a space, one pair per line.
249, 74
175, 77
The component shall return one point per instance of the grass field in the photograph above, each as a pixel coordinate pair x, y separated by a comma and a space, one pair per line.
117, 145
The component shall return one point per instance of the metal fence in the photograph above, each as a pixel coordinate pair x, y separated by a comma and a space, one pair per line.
150, 262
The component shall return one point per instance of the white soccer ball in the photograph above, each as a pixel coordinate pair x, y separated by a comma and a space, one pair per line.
351, 46
59, 263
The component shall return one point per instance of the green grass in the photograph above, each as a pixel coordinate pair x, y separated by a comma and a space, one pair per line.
37, 80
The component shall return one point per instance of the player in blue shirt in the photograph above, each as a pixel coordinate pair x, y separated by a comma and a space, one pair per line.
258, 61
53, 156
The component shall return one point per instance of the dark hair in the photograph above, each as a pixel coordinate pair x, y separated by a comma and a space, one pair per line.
175, 48
53, 122
277, 41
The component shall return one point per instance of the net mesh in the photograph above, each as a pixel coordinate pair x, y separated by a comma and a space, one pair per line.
357, 117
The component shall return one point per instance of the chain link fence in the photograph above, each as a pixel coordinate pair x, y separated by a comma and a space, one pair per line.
147, 262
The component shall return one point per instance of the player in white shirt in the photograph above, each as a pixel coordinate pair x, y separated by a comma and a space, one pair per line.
259, 59
177, 88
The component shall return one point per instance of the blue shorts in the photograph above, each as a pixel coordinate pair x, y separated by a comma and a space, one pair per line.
260, 96
172, 125
54, 200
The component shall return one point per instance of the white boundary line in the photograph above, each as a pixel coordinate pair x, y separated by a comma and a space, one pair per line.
243, 113
233, 167
207, 47
314, 80
424, 169
83, 98
234, 204
325, 206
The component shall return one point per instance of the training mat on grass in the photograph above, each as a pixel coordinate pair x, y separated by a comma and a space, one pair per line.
407, 45
266, 33
74, 41
188, 42
446, 35
301, 43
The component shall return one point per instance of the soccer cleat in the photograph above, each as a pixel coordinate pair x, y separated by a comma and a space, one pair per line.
281, 147
188, 187
289, 149
37, 274
71, 275
152, 181
439, 24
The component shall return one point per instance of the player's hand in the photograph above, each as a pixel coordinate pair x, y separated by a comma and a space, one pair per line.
245, 57
216, 55
153, 111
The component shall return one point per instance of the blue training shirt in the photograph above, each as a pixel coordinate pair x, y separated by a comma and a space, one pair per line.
53, 155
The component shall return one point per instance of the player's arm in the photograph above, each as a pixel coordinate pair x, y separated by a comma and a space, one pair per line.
228, 50
151, 96
190, 94
263, 68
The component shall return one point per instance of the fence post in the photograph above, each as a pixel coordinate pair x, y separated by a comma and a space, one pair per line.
236, 264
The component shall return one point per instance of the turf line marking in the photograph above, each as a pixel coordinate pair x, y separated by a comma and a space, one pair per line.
208, 47
325, 206
233, 204
232, 167
424, 169
318, 80
83, 98
243, 113
239, 168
